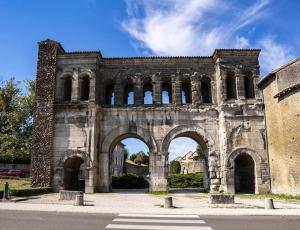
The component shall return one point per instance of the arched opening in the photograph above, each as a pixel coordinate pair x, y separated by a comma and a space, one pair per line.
110, 94
187, 163
148, 93
231, 86
244, 174
249, 85
85, 88
186, 93
130, 163
74, 174
67, 94
166, 93
129, 94
206, 90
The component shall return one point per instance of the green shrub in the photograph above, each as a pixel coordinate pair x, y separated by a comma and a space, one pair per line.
185, 180
29, 191
175, 167
129, 181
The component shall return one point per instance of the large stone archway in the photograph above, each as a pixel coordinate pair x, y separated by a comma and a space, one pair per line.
198, 134
108, 145
260, 168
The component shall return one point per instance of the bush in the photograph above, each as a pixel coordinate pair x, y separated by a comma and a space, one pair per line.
129, 181
175, 167
26, 191
185, 180
29, 191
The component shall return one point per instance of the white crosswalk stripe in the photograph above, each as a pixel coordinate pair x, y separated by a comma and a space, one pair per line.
158, 222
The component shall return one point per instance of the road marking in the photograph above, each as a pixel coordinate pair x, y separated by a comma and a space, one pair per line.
160, 216
164, 221
156, 227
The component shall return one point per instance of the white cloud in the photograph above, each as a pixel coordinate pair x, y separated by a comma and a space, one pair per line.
180, 146
194, 27
197, 27
273, 54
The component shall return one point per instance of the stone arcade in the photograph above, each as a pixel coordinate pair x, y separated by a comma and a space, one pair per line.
83, 112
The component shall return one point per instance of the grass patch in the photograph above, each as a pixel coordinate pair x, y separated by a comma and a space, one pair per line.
21, 187
15, 183
159, 193
269, 195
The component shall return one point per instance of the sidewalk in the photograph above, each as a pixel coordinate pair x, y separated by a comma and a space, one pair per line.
188, 203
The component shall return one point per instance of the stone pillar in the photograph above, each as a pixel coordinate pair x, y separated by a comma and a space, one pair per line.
256, 79
223, 86
214, 172
158, 172
92, 96
43, 125
176, 91
157, 90
119, 93
240, 84
75, 86
104, 178
138, 92
196, 91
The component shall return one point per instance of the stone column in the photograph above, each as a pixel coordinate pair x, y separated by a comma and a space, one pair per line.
119, 93
240, 84
257, 92
104, 178
157, 88
158, 172
176, 90
196, 91
138, 92
75, 86
92, 96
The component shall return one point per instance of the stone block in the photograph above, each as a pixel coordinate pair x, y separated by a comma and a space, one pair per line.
221, 199
69, 195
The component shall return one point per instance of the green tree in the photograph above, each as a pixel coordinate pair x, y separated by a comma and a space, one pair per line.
200, 154
175, 167
16, 111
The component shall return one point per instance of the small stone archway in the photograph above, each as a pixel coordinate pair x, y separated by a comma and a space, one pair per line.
207, 144
69, 166
111, 140
238, 167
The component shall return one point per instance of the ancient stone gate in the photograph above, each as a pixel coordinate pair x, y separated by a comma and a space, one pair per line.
83, 111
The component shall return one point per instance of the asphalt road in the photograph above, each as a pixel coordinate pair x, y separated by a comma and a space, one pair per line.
25, 220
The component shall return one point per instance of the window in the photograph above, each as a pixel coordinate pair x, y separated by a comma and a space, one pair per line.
109, 95
166, 93
186, 93
148, 94
249, 86
85, 88
67, 88
230, 86
129, 95
206, 90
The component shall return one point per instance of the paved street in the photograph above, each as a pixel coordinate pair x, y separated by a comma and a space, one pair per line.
28, 220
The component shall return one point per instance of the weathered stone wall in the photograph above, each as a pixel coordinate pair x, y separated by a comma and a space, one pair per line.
283, 129
42, 139
91, 129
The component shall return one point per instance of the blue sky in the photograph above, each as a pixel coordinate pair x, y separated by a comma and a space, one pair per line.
147, 27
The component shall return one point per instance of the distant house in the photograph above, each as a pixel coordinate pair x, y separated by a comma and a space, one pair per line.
118, 156
189, 164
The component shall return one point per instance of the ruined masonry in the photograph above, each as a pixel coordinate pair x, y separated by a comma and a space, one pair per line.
83, 112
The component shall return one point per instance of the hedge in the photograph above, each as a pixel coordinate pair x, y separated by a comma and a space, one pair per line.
185, 180
27, 191
129, 181
14, 159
